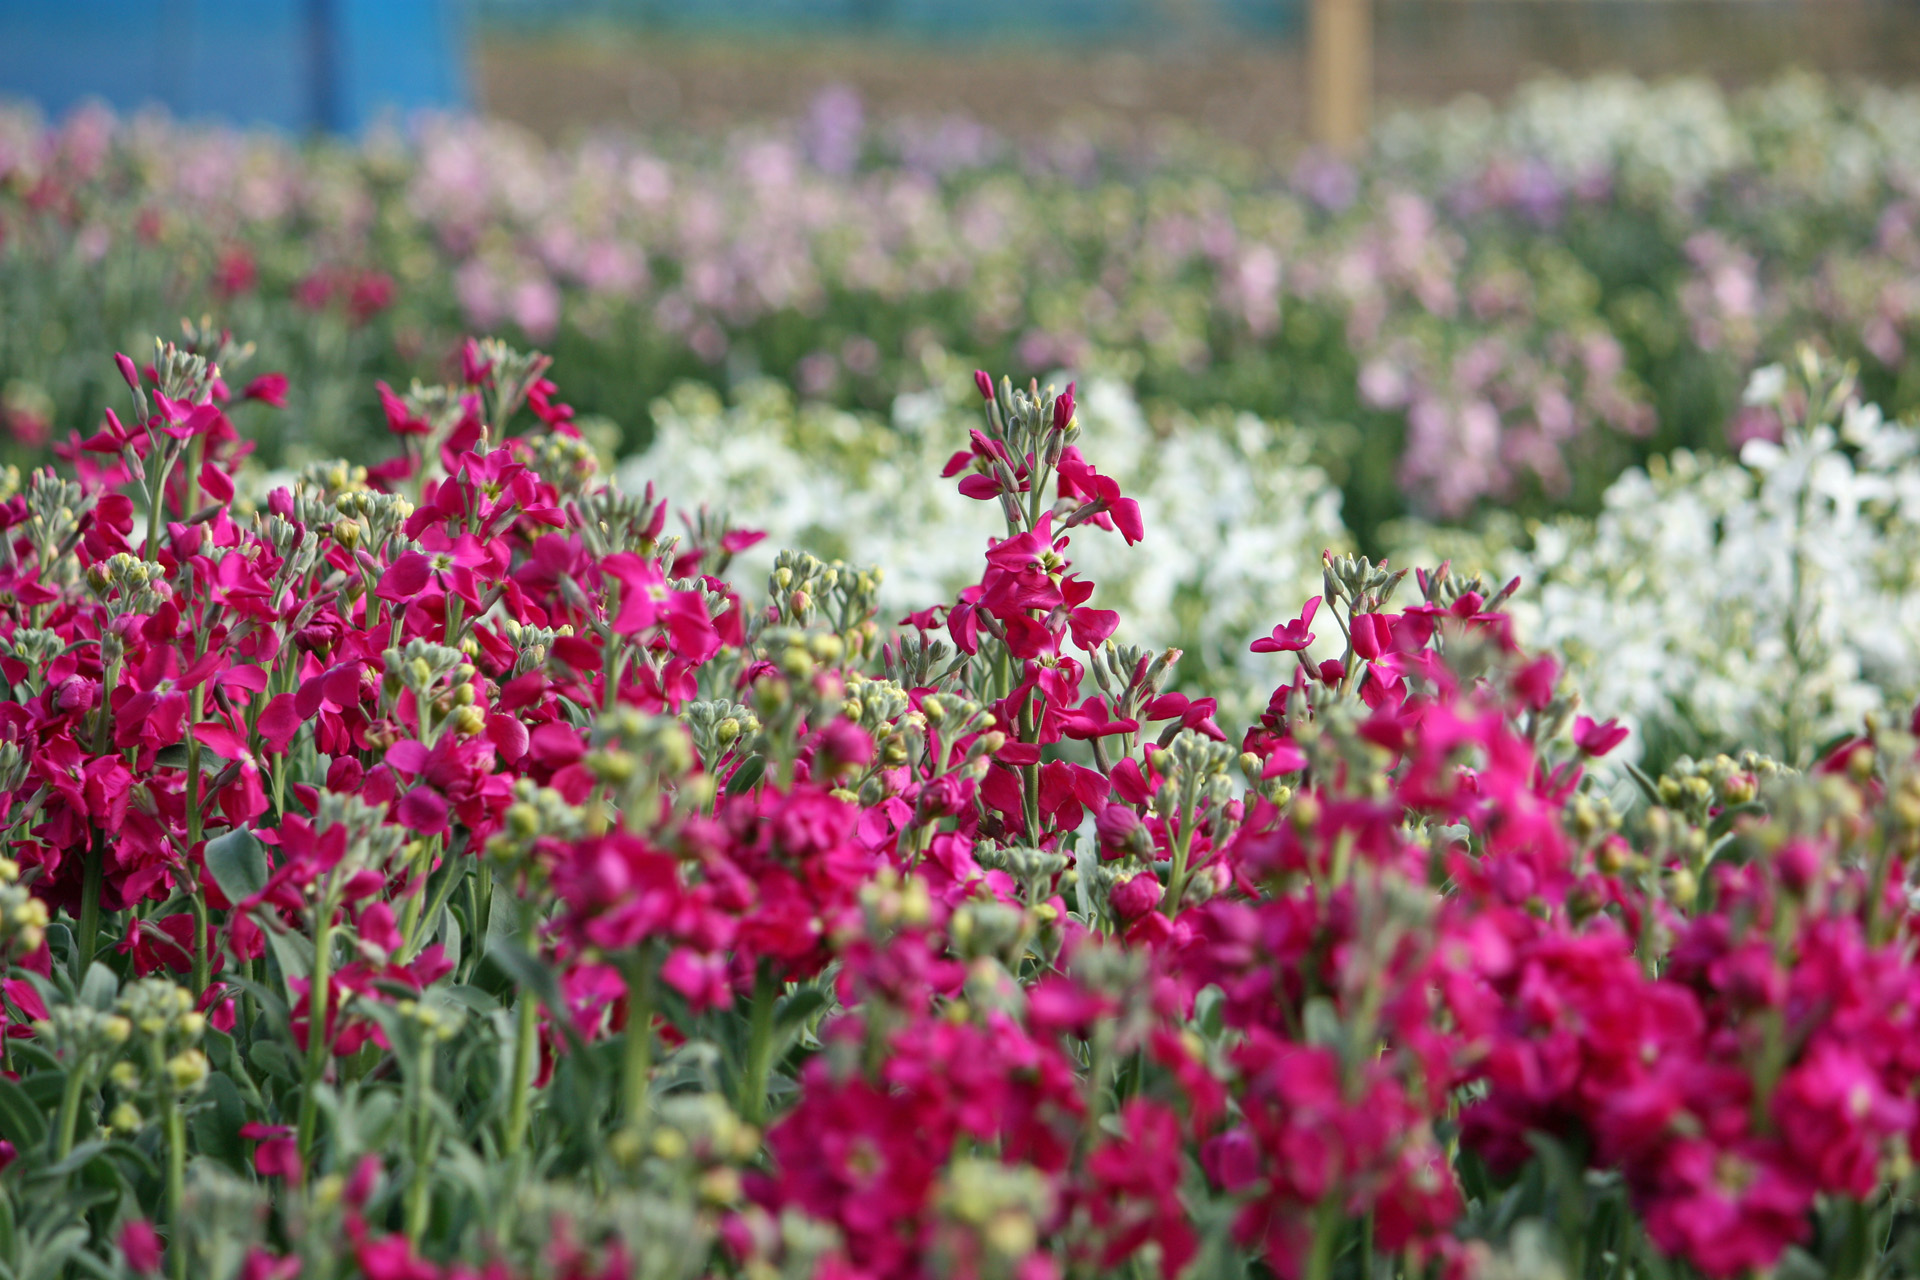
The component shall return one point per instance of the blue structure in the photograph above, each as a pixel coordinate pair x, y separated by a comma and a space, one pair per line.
300, 65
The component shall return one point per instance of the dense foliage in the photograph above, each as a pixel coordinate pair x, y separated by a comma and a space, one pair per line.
1512, 304
435, 868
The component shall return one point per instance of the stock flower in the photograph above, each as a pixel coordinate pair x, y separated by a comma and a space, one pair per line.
1135, 1196
1595, 738
647, 601
1092, 719
1105, 505
140, 1245
1135, 896
1290, 637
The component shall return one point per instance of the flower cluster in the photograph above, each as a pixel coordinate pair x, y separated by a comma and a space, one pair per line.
434, 868
1768, 602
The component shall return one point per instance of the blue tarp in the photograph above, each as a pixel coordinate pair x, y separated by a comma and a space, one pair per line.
299, 65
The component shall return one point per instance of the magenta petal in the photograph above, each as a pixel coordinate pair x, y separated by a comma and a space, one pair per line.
424, 810
405, 578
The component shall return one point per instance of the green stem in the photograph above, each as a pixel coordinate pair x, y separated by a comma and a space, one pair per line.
156, 499
76, 1084
1326, 1237
759, 1066
526, 1052
481, 886
175, 1121
416, 917
1177, 872
318, 998
637, 1071
202, 925
418, 1204
1030, 773
92, 887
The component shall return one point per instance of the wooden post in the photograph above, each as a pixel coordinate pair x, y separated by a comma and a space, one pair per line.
1341, 71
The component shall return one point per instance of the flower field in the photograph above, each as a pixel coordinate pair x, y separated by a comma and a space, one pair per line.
1506, 307
749, 795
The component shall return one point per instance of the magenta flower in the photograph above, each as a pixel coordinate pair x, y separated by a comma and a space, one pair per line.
1372, 635
1597, 739
140, 1243
1135, 896
269, 389
647, 601
1104, 505
1092, 719
1290, 637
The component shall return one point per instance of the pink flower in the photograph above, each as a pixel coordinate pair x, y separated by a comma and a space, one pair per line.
1597, 739
276, 1156
1135, 896
1290, 637
268, 389
1372, 635
1093, 720
141, 1245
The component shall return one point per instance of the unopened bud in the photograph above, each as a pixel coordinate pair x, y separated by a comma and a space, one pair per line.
187, 1070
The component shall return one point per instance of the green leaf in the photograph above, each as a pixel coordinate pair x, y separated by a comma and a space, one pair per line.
1647, 785
1732, 814
216, 1127
21, 1123
746, 775
473, 998
797, 1008
99, 988
1321, 1022
273, 1059
537, 978
237, 861
293, 952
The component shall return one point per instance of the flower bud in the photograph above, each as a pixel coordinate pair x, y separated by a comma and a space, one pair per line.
720, 1185
614, 767
1120, 831
1135, 896
797, 663
186, 1071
